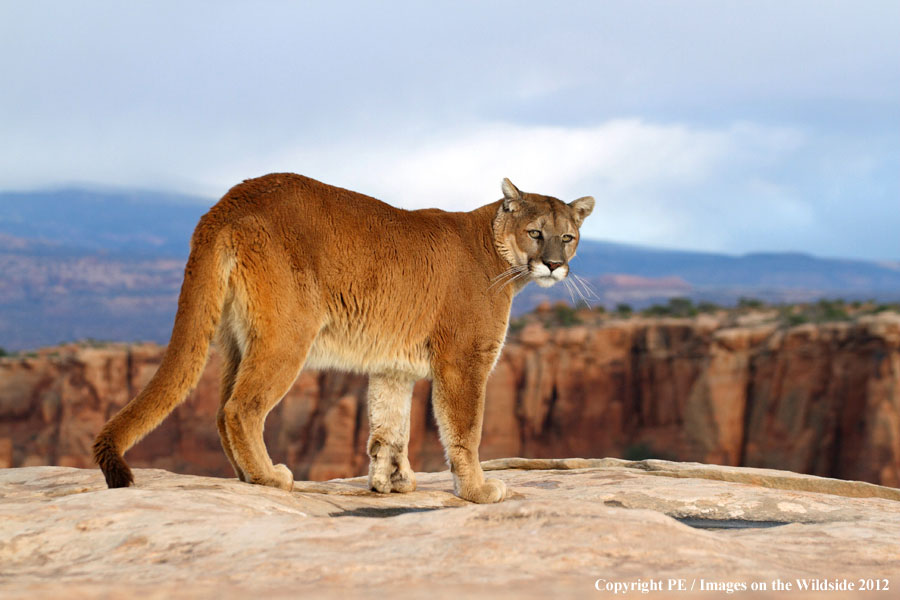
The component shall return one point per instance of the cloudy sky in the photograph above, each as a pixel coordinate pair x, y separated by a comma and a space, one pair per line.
715, 125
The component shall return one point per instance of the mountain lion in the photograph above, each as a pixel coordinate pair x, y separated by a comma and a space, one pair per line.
289, 272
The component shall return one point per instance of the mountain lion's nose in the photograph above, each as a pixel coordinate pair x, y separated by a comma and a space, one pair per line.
552, 265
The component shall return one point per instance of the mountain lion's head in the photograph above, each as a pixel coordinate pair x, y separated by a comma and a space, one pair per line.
538, 234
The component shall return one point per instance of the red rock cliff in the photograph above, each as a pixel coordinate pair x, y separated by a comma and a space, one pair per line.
821, 399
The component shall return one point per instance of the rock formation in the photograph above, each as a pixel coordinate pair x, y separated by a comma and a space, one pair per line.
819, 399
562, 533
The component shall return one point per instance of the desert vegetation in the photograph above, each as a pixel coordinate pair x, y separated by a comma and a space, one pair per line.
746, 311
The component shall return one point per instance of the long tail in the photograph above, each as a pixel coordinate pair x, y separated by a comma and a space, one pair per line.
200, 307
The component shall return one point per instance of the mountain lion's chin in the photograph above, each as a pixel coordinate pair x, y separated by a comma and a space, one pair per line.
545, 281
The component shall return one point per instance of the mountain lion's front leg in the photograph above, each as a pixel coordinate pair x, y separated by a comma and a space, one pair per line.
389, 405
458, 399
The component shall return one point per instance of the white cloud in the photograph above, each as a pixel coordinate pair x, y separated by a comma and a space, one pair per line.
462, 169
651, 180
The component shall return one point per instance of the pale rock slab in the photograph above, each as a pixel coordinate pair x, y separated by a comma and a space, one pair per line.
567, 523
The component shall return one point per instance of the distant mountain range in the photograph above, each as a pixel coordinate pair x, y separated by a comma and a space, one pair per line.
107, 264
75, 221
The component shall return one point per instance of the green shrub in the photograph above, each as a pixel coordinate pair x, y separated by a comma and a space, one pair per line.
517, 325
796, 319
751, 303
657, 310
708, 307
831, 310
564, 315
682, 307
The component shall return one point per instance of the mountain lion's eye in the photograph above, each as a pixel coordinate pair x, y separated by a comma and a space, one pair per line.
535, 233
568, 238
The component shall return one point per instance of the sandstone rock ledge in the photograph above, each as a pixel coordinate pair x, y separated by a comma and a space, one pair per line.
567, 523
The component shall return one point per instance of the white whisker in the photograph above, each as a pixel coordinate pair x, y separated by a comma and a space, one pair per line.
586, 286
568, 286
574, 285
521, 275
583, 299
512, 269
515, 271
578, 285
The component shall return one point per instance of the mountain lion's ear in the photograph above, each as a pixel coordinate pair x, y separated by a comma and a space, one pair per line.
583, 207
512, 197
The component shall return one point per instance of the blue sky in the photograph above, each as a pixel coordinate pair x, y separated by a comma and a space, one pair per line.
714, 125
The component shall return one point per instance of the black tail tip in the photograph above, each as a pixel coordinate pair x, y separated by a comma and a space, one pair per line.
115, 469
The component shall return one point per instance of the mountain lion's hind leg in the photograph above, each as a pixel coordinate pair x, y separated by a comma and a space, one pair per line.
231, 360
267, 371
278, 325
388, 447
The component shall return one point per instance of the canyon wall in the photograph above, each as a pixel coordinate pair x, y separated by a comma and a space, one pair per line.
820, 399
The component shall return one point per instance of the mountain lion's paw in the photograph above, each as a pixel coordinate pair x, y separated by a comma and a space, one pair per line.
403, 480
283, 478
492, 490
380, 480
